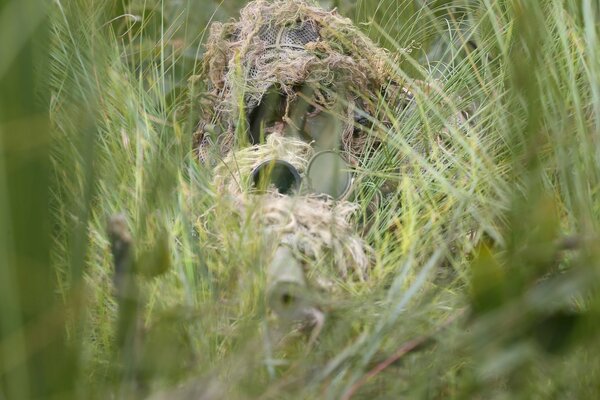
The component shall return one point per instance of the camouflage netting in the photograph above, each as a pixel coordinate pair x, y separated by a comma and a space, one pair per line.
288, 45
317, 231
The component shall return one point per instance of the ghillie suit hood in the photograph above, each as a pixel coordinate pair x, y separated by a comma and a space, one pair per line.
288, 46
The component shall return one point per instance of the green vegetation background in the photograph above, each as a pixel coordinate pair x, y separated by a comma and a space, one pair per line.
95, 122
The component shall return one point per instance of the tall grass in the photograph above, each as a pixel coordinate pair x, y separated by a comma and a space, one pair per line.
486, 266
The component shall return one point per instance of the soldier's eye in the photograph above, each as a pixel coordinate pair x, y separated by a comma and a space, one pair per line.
314, 122
270, 111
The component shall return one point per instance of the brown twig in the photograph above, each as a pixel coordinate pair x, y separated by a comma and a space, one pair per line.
129, 327
406, 348
121, 248
569, 243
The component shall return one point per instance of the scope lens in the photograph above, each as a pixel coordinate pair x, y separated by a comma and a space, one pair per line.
281, 175
328, 174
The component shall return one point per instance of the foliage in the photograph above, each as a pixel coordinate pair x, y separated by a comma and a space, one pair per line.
485, 280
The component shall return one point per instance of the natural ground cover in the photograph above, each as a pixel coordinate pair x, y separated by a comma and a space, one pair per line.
484, 282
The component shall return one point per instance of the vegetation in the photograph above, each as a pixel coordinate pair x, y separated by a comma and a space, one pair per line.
485, 282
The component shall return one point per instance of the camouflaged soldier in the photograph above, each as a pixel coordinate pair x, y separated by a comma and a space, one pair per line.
292, 96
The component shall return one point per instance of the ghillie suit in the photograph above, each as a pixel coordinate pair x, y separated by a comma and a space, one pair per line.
286, 82
309, 238
282, 58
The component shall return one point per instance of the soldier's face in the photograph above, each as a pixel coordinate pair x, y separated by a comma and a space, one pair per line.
314, 116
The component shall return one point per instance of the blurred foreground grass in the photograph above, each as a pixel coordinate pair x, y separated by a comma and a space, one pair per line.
96, 119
